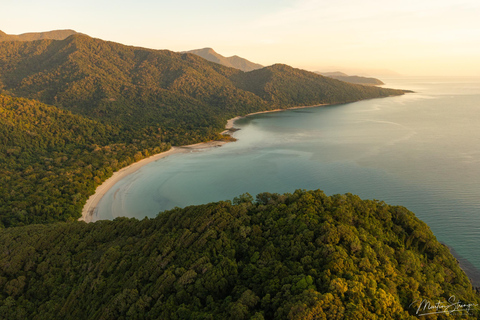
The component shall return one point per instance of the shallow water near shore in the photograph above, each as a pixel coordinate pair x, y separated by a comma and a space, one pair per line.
419, 150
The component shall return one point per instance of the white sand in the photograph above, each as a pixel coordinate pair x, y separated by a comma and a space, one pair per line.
92, 202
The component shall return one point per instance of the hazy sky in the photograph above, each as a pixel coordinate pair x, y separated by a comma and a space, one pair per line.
411, 37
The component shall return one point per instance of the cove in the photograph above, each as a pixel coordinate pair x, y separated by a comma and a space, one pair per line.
419, 150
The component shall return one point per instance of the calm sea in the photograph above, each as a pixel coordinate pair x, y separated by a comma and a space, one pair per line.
420, 150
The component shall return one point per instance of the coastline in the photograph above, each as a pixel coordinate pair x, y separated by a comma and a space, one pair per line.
89, 209
472, 272
229, 127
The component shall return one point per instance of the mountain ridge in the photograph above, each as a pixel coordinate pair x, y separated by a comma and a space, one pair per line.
233, 61
80, 63
352, 79
32, 36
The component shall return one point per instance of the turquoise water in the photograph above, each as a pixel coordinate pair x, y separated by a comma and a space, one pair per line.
419, 150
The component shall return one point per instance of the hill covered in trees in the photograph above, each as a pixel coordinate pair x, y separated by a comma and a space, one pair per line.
52, 160
293, 256
286, 86
113, 82
102, 105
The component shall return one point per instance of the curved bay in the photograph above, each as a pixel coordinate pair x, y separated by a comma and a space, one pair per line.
418, 150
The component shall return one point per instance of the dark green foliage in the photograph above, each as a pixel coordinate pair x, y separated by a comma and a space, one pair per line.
113, 82
127, 85
52, 160
293, 256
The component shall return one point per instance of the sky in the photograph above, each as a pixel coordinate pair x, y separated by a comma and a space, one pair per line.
407, 37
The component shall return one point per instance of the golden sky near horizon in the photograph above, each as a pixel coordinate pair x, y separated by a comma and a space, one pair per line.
422, 37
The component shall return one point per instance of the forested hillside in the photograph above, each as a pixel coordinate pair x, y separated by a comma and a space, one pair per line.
293, 256
121, 84
52, 160
137, 86
283, 85
126, 103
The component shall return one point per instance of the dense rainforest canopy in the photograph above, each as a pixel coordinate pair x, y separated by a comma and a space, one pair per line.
293, 256
52, 160
91, 107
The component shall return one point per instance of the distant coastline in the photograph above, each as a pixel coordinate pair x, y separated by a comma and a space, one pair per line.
90, 208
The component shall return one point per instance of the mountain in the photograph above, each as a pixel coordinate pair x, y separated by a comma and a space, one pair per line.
352, 79
292, 256
143, 101
283, 85
31, 36
364, 72
110, 82
333, 74
233, 62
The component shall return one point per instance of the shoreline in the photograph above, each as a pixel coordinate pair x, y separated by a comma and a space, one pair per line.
89, 209
230, 122
472, 272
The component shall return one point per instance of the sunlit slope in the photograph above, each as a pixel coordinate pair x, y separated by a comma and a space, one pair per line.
294, 256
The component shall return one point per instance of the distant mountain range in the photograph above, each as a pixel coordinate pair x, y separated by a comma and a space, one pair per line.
32, 36
352, 79
206, 53
233, 62
245, 65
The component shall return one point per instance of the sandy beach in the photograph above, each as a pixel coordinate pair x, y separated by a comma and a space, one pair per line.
88, 211
231, 122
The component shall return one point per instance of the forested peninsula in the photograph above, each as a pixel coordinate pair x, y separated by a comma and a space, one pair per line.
279, 256
76, 110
